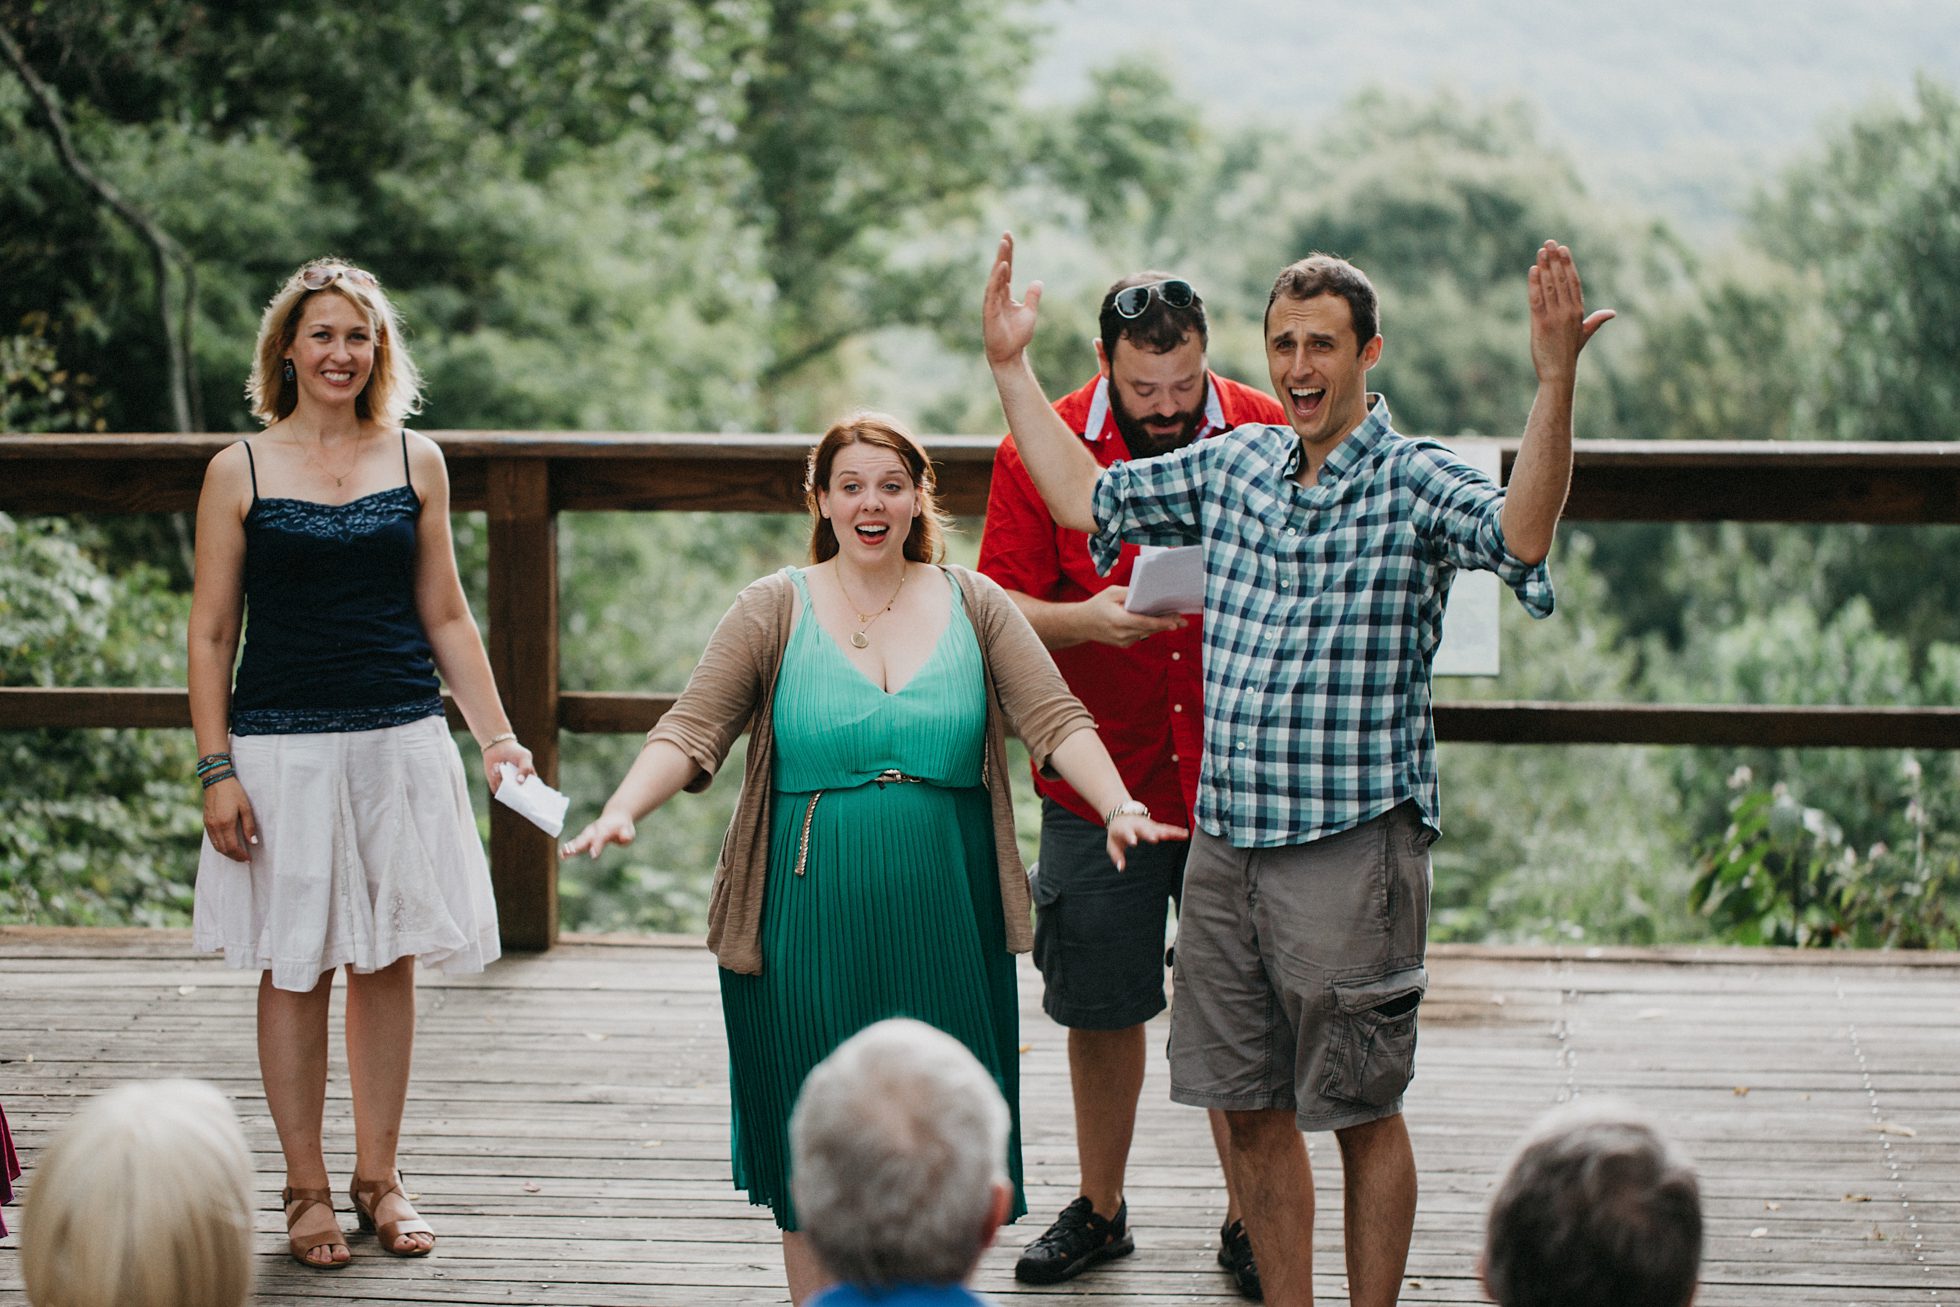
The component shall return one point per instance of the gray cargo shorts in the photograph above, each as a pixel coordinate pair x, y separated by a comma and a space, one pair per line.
1299, 971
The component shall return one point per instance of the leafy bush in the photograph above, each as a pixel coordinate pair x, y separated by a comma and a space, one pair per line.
102, 826
1784, 873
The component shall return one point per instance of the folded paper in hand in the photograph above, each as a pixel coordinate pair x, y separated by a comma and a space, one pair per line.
532, 800
1167, 581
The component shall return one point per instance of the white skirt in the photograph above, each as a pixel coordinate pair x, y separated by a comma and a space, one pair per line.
367, 853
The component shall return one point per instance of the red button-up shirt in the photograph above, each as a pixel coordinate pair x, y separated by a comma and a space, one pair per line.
1148, 699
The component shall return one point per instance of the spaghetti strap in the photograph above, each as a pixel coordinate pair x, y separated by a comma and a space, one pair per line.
252, 465
408, 477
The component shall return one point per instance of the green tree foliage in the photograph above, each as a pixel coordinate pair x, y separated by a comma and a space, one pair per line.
670, 192
36, 392
1444, 203
871, 125
102, 826
1876, 217
743, 214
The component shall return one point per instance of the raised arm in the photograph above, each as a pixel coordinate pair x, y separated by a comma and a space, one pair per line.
1063, 471
1542, 474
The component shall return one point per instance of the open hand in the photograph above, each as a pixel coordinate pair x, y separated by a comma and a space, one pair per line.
1007, 324
609, 828
1560, 325
1130, 830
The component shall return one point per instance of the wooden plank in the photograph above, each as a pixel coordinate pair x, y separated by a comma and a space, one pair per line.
567, 1128
523, 646
34, 708
1739, 726
1637, 480
1488, 722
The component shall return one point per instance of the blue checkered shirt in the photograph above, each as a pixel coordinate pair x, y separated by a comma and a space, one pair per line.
1323, 609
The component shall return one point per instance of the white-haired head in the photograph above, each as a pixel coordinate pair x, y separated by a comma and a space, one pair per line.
899, 1141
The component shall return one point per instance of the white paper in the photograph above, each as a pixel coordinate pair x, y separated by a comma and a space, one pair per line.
532, 800
1469, 645
1166, 581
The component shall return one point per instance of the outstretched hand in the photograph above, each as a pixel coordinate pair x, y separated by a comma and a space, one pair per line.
609, 828
1007, 324
1560, 325
1130, 830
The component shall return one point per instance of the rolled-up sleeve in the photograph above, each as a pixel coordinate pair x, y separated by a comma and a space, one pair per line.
1150, 501
1459, 512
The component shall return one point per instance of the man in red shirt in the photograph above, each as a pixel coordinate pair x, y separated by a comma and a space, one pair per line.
1099, 934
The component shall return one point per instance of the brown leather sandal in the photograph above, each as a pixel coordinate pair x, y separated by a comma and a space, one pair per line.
298, 1202
367, 1195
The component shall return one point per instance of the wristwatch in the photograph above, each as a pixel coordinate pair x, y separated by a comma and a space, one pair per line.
1127, 808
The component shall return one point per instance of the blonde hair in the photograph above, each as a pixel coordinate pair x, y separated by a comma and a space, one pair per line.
394, 388
143, 1200
926, 541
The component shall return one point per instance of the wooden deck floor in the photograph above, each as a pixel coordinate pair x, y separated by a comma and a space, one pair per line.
567, 1128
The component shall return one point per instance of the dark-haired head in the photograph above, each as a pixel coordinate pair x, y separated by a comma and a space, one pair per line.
1323, 274
1161, 327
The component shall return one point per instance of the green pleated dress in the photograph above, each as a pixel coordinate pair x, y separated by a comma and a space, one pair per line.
896, 908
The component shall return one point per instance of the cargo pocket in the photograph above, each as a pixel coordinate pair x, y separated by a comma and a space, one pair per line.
1045, 891
1373, 1054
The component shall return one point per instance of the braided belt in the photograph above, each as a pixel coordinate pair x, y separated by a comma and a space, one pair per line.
889, 776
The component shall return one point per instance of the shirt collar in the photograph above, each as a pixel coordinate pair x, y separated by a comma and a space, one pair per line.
1357, 445
1102, 418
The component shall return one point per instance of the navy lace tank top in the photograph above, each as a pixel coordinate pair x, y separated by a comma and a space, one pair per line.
332, 638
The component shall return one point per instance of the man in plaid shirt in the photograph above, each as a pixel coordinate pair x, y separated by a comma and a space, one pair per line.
1329, 548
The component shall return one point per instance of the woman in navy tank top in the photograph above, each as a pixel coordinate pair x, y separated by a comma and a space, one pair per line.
338, 829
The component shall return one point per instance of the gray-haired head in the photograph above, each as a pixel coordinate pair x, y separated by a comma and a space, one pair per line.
899, 1147
1595, 1207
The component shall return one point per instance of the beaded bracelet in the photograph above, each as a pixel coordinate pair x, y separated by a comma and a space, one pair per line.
213, 778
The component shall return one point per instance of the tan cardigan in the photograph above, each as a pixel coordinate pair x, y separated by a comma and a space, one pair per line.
734, 686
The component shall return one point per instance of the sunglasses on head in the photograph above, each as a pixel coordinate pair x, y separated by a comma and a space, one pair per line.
319, 278
1131, 301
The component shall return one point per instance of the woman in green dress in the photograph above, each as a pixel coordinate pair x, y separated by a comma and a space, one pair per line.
870, 870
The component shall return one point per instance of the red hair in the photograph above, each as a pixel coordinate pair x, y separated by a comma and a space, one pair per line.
925, 542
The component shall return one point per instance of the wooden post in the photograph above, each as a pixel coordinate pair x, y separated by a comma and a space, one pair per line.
523, 645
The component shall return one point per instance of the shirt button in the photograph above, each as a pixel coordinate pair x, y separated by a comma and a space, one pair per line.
1284, 584
1176, 656
1292, 531
1177, 707
1241, 744
1174, 758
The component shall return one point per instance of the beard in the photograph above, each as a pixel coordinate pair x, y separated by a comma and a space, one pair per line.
1145, 443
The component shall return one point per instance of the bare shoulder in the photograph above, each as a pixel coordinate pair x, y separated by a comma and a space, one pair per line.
229, 471
424, 455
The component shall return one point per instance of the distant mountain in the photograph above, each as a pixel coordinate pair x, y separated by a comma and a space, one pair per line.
1681, 106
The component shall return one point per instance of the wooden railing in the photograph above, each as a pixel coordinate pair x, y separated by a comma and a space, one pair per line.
523, 480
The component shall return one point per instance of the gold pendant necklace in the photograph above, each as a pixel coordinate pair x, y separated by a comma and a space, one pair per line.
859, 640
320, 463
